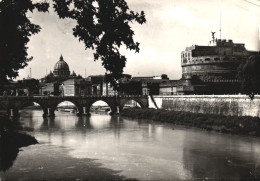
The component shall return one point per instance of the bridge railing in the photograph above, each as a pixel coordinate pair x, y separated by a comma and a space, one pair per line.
70, 97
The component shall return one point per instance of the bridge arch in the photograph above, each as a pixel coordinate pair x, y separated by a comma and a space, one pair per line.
76, 104
111, 104
140, 102
30, 102
50, 103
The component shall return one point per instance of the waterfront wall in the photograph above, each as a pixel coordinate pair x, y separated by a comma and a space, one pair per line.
234, 105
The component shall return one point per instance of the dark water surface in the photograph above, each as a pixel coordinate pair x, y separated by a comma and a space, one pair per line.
103, 147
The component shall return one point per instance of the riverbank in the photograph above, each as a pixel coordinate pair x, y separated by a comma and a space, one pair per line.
245, 125
12, 138
227, 105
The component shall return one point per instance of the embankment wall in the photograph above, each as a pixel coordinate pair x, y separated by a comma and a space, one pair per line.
234, 105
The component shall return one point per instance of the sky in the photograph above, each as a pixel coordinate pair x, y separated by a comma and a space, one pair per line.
171, 26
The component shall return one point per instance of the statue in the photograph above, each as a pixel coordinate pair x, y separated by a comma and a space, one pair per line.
213, 36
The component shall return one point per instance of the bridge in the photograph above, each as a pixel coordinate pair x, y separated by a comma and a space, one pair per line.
12, 104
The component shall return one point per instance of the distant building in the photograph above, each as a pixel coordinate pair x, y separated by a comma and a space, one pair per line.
212, 69
108, 89
100, 87
130, 87
61, 69
51, 84
212, 62
28, 86
168, 87
76, 87
96, 84
140, 78
50, 89
150, 85
11, 88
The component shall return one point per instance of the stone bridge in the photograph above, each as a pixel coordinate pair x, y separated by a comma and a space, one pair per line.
12, 104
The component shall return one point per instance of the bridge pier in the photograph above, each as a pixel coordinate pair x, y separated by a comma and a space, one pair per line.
45, 112
51, 112
79, 111
112, 113
114, 110
86, 112
14, 113
118, 109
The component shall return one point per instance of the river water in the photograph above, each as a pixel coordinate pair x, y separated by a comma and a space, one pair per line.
104, 147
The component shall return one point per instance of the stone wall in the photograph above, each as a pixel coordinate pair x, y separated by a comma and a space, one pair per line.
235, 105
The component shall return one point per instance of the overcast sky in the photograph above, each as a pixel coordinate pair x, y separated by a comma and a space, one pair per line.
171, 26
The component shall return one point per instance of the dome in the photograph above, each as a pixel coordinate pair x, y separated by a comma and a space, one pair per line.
61, 68
61, 65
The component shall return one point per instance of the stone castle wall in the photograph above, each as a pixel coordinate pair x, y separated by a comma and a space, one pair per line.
235, 105
216, 66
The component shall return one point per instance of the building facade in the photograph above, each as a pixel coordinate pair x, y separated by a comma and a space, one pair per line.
50, 89
213, 62
76, 87
212, 69
168, 87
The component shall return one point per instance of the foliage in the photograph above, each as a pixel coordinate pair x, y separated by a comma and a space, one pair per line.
164, 76
130, 88
12, 138
229, 124
15, 30
250, 75
104, 26
79, 76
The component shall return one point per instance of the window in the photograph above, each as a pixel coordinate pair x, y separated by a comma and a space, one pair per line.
216, 59
207, 59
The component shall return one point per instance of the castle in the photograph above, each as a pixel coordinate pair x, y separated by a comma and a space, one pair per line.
213, 69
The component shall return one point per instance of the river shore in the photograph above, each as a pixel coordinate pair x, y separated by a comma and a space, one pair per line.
12, 138
244, 125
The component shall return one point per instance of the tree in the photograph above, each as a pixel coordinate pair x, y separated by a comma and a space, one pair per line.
130, 88
164, 76
104, 26
79, 76
49, 78
15, 30
250, 75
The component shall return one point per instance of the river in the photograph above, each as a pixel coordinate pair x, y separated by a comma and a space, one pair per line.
104, 147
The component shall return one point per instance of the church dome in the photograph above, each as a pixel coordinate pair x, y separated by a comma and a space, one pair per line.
61, 68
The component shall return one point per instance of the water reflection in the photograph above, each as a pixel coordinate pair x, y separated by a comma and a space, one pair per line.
11, 141
84, 124
221, 157
134, 149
